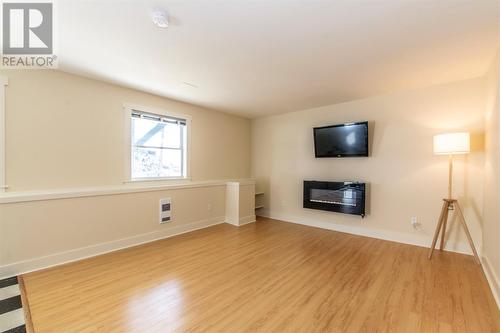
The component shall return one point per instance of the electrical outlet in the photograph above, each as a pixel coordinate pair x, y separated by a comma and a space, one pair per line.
414, 222
209, 207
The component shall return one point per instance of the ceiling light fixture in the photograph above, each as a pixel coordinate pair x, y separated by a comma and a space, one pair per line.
160, 18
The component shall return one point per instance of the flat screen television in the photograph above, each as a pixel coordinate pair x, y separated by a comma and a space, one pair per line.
345, 140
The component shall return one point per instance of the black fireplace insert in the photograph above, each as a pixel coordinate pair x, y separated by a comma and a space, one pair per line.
341, 197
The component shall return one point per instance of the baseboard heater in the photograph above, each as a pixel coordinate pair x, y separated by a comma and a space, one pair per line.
165, 210
340, 197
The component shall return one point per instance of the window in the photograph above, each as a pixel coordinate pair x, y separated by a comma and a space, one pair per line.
158, 145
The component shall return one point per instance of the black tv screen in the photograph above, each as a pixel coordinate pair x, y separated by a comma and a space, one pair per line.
346, 140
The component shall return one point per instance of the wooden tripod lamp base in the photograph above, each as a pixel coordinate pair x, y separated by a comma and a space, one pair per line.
451, 144
451, 204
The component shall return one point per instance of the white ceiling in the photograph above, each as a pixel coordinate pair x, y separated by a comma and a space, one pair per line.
262, 57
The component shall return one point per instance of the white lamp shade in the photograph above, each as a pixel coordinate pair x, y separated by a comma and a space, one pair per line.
452, 143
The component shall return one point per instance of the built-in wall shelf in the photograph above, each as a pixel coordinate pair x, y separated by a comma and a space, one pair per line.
259, 200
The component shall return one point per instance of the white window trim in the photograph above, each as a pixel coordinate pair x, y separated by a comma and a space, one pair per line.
128, 108
3, 82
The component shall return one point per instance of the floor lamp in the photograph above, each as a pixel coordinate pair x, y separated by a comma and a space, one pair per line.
451, 144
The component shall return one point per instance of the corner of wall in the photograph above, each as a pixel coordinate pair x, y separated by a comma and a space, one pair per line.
492, 279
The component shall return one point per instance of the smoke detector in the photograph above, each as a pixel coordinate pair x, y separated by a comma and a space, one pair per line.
160, 18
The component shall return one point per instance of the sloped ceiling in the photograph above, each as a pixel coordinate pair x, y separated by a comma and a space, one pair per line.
262, 57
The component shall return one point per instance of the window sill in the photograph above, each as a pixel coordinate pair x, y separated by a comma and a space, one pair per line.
151, 179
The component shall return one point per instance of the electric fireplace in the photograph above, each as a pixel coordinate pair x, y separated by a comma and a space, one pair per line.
341, 197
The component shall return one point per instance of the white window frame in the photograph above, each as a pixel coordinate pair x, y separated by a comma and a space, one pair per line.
128, 109
3, 82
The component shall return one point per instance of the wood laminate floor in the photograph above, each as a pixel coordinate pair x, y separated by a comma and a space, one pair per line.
265, 277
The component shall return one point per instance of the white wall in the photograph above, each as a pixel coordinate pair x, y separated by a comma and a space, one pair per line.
65, 136
37, 234
404, 176
491, 226
64, 130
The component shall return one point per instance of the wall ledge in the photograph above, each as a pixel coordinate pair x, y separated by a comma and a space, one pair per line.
26, 196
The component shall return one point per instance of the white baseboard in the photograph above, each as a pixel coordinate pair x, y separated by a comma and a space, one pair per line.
492, 278
102, 248
394, 236
241, 221
231, 221
247, 219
